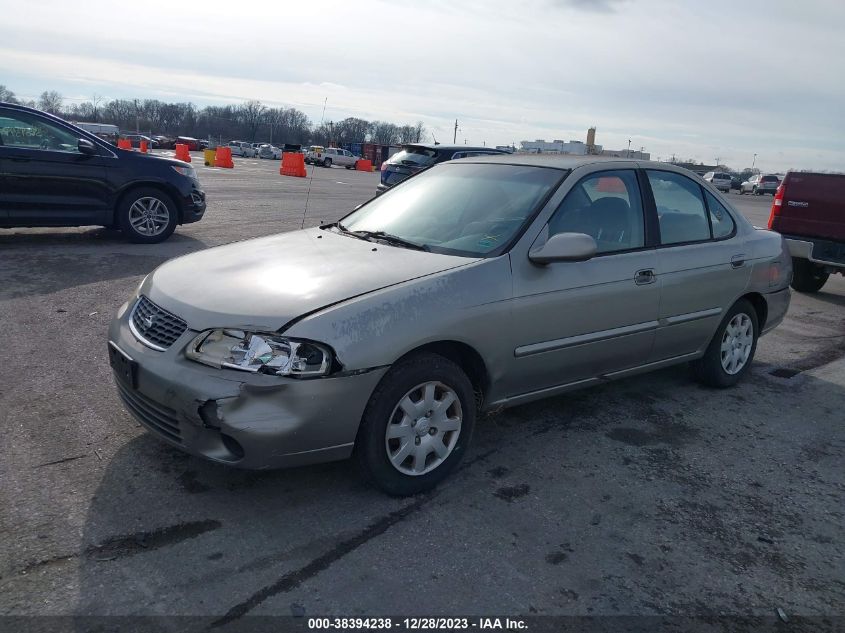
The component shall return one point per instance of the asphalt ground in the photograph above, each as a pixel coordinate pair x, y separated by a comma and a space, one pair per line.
647, 496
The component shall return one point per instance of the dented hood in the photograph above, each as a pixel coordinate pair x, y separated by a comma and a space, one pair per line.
267, 282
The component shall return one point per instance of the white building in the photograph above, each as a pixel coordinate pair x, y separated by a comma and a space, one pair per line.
540, 146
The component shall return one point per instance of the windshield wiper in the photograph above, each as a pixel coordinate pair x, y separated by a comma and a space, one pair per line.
389, 238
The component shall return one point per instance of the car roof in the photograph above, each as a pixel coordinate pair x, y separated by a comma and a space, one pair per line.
454, 148
569, 161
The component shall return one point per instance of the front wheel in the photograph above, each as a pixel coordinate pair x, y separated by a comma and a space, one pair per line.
731, 351
327, 162
147, 216
807, 276
417, 425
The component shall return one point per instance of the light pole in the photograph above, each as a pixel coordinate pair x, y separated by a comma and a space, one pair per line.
753, 162
628, 153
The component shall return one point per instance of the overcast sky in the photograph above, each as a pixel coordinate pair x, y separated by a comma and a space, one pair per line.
696, 79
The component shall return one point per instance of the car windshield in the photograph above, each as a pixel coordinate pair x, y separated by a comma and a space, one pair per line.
414, 155
467, 209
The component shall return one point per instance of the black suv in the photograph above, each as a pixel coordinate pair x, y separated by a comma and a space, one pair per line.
415, 157
53, 173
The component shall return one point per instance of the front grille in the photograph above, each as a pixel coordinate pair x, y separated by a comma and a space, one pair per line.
154, 416
155, 326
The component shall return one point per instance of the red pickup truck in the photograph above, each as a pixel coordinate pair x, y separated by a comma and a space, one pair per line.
809, 211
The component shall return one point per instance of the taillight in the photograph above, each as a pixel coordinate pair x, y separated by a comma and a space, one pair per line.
777, 204
384, 166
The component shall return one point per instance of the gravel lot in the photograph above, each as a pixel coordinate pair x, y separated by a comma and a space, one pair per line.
646, 496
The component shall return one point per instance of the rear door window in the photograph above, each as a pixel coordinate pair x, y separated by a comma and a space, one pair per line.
721, 222
680, 208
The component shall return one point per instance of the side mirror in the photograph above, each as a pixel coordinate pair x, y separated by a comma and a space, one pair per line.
86, 147
564, 247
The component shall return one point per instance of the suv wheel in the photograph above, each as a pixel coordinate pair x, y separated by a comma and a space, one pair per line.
731, 351
417, 425
807, 276
147, 216
327, 162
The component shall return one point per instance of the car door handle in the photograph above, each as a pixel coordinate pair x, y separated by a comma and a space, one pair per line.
644, 277
738, 261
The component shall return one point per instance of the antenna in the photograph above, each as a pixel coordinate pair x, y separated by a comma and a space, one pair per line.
313, 167
435, 139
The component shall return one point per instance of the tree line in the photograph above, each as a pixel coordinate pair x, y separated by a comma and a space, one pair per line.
250, 121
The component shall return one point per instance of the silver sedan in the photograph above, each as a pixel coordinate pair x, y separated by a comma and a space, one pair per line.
477, 284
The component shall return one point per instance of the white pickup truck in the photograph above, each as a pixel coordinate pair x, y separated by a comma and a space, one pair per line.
328, 156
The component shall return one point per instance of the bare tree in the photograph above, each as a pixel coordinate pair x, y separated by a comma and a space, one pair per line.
420, 131
251, 114
7, 95
51, 101
384, 133
351, 130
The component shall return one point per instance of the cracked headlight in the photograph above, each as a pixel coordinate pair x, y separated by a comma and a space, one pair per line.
260, 352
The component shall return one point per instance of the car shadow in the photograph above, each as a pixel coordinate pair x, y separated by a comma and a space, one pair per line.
46, 261
169, 533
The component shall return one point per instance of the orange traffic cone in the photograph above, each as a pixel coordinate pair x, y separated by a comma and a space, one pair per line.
364, 165
143, 147
124, 143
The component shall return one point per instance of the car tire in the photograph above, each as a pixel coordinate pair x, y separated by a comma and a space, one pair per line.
731, 352
327, 162
806, 276
161, 219
409, 382
755, 192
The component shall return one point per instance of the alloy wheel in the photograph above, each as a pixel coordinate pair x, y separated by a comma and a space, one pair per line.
149, 216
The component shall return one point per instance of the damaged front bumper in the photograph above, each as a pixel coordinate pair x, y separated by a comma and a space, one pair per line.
247, 420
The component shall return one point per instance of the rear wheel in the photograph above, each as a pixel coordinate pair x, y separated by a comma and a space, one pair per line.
147, 216
807, 276
729, 355
416, 426
327, 162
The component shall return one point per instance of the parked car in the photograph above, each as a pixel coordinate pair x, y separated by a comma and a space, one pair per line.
719, 179
53, 173
163, 142
477, 284
269, 151
413, 158
194, 144
736, 182
314, 154
809, 210
135, 140
336, 156
760, 184
242, 148
256, 147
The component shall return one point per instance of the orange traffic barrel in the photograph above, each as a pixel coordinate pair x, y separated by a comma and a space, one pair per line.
182, 152
293, 164
223, 158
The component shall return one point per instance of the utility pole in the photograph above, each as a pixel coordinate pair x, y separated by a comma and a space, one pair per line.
753, 162
628, 153
717, 161
137, 124
455, 137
